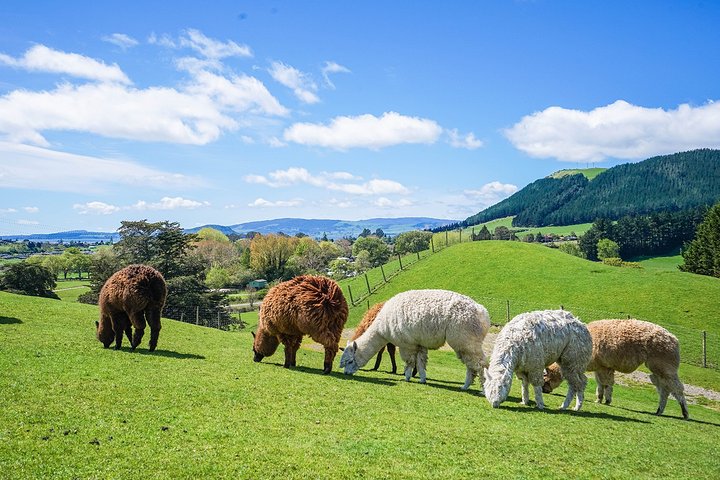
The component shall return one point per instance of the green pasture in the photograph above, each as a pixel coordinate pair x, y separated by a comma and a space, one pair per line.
199, 407
70, 290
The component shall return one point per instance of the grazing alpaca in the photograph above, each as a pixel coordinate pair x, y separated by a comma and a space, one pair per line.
418, 320
527, 344
130, 298
623, 345
367, 320
305, 305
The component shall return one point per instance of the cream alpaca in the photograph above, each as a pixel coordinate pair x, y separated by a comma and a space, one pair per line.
420, 320
527, 344
623, 345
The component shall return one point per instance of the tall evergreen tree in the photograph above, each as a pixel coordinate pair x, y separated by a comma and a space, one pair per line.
702, 255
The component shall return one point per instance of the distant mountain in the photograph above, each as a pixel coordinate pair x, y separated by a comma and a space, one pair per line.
82, 236
289, 226
331, 228
666, 183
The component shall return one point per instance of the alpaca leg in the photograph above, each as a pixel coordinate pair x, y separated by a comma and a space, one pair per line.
599, 389
409, 356
138, 321
128, 331
120, 324
153, 318
540, 403
422, 359
683, 404
576, 388
292, 344
525, 396
662, 393
391, 352
378, 359
605, 378
678, 391
330, 352
469, 377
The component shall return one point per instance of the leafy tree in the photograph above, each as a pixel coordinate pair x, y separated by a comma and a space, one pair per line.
365, 233
606, 248
269, 254
502, 233
379, 233
213, 234
362, 262
217, 277
571, 248
103, 263
378, 251
702, 254
530, 238
414, 241
484, 234
28, 278
341, 268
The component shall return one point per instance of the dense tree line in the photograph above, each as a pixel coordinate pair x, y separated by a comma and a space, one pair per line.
702, 255
652, 234
666, 183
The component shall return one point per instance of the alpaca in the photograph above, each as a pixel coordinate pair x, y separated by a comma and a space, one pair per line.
305, 305
130, 298
366, 321
623, 345
527, 344
418, 320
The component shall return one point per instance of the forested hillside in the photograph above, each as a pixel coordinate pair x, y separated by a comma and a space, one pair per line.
666, 183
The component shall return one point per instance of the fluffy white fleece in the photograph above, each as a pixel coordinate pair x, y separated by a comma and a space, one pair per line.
420, 320
530, 342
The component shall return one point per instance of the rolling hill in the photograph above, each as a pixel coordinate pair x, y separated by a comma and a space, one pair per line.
666, 183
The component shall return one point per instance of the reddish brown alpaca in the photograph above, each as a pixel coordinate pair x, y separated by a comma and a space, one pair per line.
305, 305
129, 298
367, 320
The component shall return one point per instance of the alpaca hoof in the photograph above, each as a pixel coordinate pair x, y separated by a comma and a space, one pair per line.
116, 347
327, 371
607, 402
152, 348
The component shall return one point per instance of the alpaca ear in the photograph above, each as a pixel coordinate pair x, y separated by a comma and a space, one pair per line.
354, 347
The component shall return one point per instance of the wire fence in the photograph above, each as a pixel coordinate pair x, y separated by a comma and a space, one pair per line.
222, 318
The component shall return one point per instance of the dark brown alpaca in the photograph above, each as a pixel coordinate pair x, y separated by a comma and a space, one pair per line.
367, 320
129, 298
305, 305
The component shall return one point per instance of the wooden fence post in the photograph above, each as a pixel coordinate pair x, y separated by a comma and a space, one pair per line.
418, 255
446, 238
460, 235
352, 302
367, 282
383, 274
400, 260
197, 315
432, 244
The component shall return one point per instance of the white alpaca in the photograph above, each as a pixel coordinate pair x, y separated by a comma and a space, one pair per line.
420, 320
530, 342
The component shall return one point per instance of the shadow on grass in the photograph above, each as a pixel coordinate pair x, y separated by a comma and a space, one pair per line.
9, 320
163, 353
582, 413
665, 415
335, 374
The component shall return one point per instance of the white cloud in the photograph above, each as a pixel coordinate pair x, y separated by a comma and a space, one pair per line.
239, 93
121, 40
491, 193
329, 181
301, 84
275, 142
96, 208
341, 203
35, 168
365, 131
7, 210
43, 59
27, 222
467, 141
618, 130
261, 202
31, 209
211, 48
384, 202
169, 203
332, 67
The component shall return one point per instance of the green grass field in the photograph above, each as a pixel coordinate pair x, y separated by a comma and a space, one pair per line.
70, 290
589, 173
199, 407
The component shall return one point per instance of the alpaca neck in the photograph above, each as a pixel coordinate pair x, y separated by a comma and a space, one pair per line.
502, 369
368, 344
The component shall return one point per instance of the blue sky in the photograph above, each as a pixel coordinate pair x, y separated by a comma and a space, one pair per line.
226, 112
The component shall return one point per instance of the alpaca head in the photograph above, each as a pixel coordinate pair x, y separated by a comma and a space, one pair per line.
104, 334
495, 388
348, 361
553, 378
264, 344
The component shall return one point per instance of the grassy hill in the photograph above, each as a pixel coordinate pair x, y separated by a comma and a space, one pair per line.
199, 407
589, 173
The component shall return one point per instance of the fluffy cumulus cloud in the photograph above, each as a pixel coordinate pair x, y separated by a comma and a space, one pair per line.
468, 141
121, 40
169, 203
335, 181
384, 202
197, 111
78, 173
31, 209
261, 202
491, 193
95, 208
365, 131
332, 67
618, 130
300, 83
43, 59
